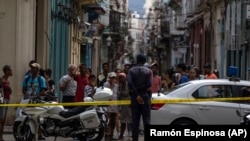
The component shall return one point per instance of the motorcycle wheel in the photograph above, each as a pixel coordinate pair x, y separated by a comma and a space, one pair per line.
19, 135
95, 135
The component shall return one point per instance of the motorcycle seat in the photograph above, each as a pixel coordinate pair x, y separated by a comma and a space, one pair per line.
73, 111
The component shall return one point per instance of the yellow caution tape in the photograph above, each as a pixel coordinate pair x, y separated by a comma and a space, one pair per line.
127, 102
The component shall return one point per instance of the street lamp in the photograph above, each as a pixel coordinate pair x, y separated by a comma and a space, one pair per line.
109, 41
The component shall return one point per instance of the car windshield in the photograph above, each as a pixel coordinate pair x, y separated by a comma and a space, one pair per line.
176, 88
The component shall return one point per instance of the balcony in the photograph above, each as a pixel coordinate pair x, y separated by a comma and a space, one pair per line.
165, 29
175, 4
181, 25
193, 7
115, 21
93, 5
89, 2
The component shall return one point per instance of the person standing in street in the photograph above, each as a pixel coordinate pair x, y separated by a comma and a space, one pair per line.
6, 90
34, 84
112, 110
182, 77
82, 81
167, 81
30, 63
50, 83
126, 68
193, 74
102, 77
208, 72
68, 85
89, 90
124, 110
156, 85
140, 81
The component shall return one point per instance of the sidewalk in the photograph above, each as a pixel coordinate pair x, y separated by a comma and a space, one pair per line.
8, 129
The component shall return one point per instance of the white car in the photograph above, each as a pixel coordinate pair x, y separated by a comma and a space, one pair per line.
202, 112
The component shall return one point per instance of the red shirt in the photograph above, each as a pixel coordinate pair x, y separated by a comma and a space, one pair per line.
156, 84
81, 81
6, 88
211, 76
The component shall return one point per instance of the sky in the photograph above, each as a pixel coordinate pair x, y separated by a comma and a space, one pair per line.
137, 5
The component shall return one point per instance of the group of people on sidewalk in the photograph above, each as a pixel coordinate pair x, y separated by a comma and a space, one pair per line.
35, 81
132, 82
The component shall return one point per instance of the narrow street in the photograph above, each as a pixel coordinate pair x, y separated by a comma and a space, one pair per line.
8, 136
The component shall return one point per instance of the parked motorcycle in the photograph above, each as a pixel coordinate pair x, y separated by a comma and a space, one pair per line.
84, 122
246, 118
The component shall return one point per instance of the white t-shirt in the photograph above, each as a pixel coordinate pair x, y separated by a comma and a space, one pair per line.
112, 109
71, 88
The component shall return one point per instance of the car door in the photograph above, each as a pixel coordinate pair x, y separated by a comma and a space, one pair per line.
215, 112
243, 91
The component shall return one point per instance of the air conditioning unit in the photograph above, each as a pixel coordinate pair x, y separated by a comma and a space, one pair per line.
84, 40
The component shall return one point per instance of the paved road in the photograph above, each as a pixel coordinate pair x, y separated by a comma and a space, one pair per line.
9, 137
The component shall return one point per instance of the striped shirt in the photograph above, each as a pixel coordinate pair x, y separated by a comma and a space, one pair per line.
88, 90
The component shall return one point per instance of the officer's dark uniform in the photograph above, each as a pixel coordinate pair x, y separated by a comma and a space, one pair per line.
139, 81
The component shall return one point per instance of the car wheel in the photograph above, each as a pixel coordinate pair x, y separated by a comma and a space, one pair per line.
184, 122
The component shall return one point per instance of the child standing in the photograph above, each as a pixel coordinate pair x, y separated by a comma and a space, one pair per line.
89, 89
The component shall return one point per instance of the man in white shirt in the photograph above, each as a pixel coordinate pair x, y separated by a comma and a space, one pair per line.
68, 85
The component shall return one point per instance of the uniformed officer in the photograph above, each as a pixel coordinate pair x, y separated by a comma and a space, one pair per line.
139, 81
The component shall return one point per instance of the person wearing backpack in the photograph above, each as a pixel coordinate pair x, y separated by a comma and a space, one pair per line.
29, 71
34, 84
